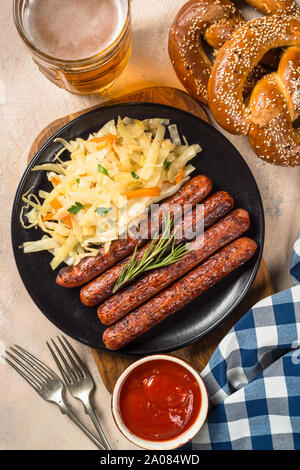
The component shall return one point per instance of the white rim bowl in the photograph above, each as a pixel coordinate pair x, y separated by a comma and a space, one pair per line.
168, 444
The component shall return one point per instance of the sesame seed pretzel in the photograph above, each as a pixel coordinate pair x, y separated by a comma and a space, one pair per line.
213, 21
274, 103
278, 7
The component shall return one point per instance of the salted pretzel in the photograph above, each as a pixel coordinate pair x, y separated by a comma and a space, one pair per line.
275, 100
212, 21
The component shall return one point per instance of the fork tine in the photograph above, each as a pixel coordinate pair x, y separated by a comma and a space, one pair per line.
61, 369
28, 361
36, 361
82, 365
29, 371
72, 374
36, 388
75, 365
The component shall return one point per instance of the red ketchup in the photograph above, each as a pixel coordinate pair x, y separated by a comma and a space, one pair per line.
159, 400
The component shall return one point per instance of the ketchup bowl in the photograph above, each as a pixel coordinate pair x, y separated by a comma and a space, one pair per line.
159, 402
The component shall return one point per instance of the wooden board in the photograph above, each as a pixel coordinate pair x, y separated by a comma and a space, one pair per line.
198, 354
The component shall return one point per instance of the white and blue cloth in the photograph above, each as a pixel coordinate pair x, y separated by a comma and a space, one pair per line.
253, 377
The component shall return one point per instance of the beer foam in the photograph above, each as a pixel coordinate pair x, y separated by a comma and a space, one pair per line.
73, 29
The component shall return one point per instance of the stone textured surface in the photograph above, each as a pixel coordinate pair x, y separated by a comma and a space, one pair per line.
28, 102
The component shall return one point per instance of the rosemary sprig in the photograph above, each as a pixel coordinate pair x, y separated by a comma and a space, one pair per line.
154, 257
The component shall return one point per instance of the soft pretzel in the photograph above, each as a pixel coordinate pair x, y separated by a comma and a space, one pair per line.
274, 105
274, 102
278, 7
212, 21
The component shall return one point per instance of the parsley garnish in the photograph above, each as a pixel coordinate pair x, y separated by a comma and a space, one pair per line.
77, 180
76, 208
103, 170
134, 175
167, 164
103, 210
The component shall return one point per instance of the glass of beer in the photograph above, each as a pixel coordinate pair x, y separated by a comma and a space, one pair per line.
80, 45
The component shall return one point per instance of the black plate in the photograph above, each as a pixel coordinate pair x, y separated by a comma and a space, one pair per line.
228, 171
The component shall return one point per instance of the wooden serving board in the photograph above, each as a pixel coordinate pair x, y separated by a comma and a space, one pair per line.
198, 354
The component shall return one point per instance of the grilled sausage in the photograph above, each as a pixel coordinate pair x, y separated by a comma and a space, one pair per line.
193, 192
227, 229
101, 288
179, 294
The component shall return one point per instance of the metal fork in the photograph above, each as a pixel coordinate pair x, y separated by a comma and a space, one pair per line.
46, 383
78, 379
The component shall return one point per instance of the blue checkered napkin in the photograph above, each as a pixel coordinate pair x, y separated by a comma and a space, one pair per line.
253, 377
295, 264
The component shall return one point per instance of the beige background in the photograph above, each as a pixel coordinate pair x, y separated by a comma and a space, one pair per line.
28, 102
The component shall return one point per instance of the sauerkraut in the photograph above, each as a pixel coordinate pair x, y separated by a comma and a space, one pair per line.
105, 186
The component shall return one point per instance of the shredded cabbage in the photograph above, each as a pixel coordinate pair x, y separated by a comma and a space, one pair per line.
105, 186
